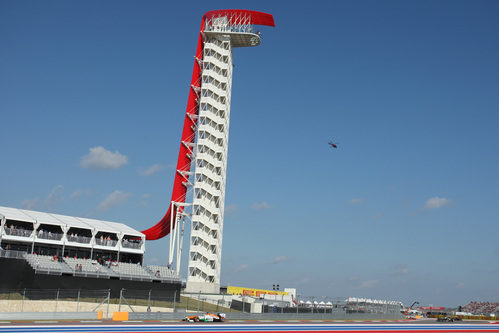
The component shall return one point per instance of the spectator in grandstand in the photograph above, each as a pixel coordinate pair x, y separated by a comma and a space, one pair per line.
40, 233
157, 273
80, 268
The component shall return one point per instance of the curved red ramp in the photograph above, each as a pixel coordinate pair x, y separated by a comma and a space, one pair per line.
162, 228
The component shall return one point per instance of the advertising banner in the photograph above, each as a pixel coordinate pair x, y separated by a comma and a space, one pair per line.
252, 291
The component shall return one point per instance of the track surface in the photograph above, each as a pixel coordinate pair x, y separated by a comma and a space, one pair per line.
137, 327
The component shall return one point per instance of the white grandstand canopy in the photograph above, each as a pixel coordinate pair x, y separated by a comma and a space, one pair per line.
16, 214
67, 222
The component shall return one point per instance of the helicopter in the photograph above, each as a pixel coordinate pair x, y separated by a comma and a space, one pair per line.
333, 144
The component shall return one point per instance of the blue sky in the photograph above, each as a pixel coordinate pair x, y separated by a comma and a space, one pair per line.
92, 100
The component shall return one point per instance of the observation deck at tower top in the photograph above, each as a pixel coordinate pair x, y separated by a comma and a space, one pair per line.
237, 24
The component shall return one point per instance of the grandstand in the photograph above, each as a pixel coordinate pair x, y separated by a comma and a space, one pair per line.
71, 250
368, 305
481, 308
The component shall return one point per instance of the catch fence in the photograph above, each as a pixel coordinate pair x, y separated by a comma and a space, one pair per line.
154, 303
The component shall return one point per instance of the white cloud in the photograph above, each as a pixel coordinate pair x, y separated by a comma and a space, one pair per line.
30, 203
54, 196
436, 202
279, 259
155, 168
230, 210
368, 284
304, 281
400, 269
357, 200
260, 206
241, 268
114, 199
79, 193
461, 285
101, 158
143, 202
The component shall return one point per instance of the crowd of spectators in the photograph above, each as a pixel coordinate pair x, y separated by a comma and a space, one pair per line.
132, 243
47, 234
16, 230
481, 308
74, 237
105, 241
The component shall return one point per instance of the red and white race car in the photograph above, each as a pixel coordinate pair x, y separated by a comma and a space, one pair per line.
208, 317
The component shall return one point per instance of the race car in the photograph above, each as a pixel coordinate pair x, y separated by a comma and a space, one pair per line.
208, 317
449, 319
191, 319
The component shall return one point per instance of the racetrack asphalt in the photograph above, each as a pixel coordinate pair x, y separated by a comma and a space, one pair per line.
94, 326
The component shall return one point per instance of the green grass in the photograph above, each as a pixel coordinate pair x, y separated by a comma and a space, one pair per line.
191, 304
11, 296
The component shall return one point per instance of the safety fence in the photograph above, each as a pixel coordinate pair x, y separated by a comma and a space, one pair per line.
54, 300
173, 305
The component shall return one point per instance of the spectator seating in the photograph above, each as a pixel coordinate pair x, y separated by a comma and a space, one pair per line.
87, 266
47, 263
132, 270
161, 272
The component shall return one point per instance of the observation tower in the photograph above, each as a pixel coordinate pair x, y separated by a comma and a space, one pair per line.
202, 160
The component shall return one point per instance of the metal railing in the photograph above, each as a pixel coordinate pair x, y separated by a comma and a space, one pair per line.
131, 244
43, 234
18, 232
79, 239
5, 253
106, 242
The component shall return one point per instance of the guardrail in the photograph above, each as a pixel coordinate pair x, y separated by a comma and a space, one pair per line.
50, 315
12, 254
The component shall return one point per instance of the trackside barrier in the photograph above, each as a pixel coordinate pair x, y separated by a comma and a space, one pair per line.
50, 315
120, 316
179, 315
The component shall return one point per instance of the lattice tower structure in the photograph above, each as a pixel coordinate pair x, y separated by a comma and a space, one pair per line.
203, 151
221, 33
